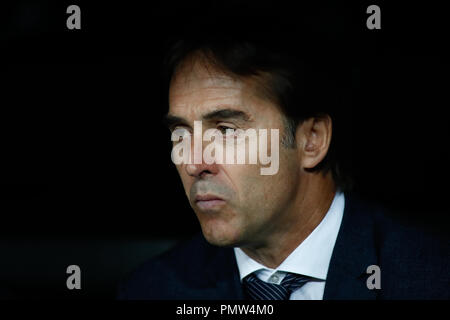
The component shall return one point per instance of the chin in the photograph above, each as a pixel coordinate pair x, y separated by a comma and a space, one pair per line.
220, 237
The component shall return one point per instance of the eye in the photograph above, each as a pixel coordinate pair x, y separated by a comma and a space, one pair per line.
223, 130
178, 133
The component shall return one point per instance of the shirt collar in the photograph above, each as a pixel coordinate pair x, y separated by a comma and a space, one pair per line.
312, 257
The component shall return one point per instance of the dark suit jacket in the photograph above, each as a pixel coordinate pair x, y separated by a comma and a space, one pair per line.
413, 263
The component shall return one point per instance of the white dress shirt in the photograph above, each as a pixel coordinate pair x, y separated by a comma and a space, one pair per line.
311, 258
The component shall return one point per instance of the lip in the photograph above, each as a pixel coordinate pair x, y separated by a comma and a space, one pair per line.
208, 202
207, 197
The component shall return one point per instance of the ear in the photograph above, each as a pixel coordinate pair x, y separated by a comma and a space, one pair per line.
313, 138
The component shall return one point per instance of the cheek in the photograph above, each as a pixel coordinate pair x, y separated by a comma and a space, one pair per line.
252, 194
242, 179
185, 179
268, 193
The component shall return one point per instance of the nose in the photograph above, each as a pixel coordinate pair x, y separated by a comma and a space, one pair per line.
201, 170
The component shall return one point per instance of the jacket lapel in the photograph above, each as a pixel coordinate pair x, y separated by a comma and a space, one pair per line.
218, 278
354, 251
225, 273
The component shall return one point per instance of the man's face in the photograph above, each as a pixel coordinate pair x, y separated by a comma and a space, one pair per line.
235, 204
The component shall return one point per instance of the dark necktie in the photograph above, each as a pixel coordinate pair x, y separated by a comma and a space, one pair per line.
257, 289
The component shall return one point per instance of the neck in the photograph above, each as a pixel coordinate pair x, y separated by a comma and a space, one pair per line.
311, 204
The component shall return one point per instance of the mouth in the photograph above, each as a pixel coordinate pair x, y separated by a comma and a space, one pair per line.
208, 202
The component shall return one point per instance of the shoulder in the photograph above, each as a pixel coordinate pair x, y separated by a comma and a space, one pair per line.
415, 260
389, 226
413, 257
170, 269
401, 233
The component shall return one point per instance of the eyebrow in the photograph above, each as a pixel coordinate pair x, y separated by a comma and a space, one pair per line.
171, 121
225, 114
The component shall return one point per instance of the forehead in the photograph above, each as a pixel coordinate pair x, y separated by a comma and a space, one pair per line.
198, 85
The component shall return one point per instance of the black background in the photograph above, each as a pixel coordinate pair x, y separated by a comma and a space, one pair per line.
86, 176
